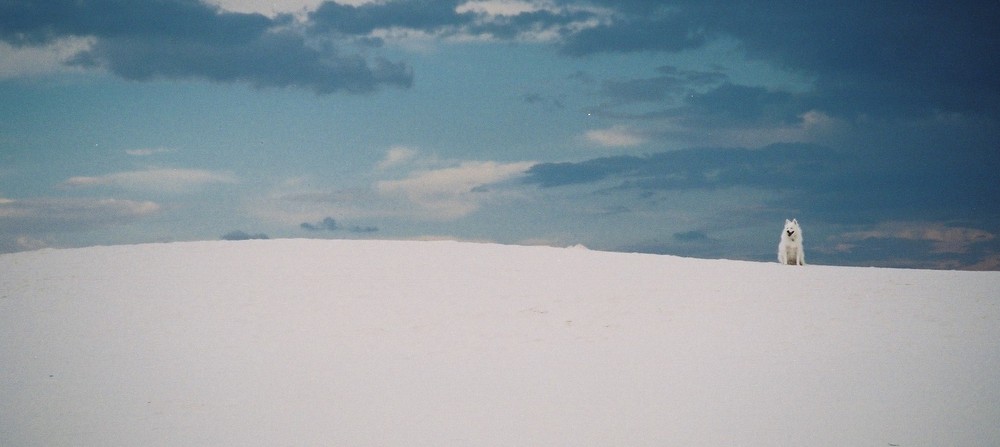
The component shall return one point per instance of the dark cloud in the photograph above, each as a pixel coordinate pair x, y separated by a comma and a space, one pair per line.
330, 224
885, 55
886, 58
35, 22
670, 84
239, 235
702, 101
836, 186
784, 164
289, 63
327, 224
721, 106
733, 104
362, 229
189, 39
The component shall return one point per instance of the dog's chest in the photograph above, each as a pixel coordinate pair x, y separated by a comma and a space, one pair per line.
791, 249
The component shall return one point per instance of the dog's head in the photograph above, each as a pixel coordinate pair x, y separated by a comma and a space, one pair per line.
792, 230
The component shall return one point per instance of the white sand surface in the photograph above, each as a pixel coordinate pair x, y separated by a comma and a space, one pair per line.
387, 343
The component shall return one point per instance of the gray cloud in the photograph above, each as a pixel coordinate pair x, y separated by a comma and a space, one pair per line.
327, 224
362, 229
886, 58
668, 86
35, 22
837, 186
240, 235
331, 224
696, 168
289, 63
742, 105
702, 101
189, 39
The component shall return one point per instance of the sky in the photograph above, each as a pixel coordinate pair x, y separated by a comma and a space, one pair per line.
691, 128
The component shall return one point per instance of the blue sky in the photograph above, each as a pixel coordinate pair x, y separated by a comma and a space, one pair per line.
688, 128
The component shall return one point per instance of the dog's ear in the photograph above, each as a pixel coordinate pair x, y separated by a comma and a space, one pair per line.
787, 221
795, 221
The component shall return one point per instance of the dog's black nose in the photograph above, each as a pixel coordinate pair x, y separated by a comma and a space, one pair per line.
789, 232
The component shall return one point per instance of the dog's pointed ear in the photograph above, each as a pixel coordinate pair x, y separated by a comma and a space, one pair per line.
787, 221
795, 221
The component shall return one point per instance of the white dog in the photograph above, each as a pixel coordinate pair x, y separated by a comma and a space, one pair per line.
790, 249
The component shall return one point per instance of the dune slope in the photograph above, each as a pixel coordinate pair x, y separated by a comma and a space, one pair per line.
383, 343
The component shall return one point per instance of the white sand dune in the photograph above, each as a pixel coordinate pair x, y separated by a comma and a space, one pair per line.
380, 343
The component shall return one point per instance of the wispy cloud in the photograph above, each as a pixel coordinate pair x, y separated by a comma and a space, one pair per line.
407, 185
943, 238
499, 7
270, 8
616, 136
148, 151
397, 156
64, 214
452, 192
20, 61
161, 180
